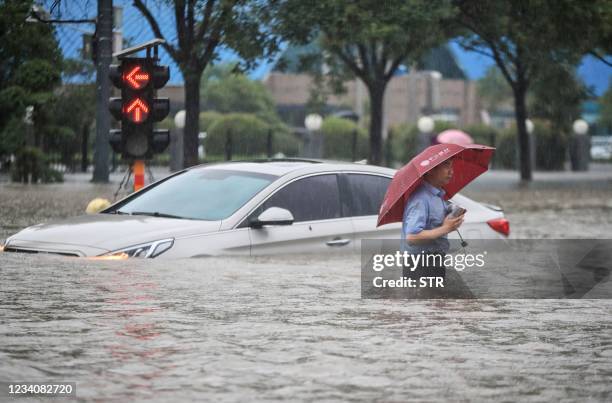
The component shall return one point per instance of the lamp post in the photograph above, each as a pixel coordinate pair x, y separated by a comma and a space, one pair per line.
532, 143
176, 142
580, 147
313, 145
425, 124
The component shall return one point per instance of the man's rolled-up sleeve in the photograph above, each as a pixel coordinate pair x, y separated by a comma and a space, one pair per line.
415, 217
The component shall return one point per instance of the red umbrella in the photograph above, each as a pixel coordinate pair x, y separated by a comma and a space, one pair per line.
470, 161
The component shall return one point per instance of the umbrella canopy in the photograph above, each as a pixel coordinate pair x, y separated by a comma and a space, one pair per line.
469, 161
454, 136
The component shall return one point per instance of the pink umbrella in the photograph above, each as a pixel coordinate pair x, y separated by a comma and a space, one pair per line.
454, 136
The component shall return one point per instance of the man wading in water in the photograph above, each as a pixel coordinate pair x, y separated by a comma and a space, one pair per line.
426, 224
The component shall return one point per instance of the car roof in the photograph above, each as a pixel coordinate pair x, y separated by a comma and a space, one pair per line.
281, 167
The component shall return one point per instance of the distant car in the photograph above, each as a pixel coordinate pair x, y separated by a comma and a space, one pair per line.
247, 208
601, 147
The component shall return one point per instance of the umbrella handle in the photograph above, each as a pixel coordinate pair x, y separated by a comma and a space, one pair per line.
463, 243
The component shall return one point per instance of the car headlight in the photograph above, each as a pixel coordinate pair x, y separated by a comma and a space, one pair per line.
145, 250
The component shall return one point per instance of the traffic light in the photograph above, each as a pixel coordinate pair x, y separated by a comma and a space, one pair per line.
138, 108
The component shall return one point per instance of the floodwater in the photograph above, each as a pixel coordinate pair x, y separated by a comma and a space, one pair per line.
290, 329
293, 327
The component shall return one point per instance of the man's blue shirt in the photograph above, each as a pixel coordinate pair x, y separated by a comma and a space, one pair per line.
424, 210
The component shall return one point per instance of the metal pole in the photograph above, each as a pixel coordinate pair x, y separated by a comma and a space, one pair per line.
269, 144
104, 30
139, 174
354, 145
228, 145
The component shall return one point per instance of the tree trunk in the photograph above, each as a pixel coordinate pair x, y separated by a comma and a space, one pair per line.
520, 114
377, 92
84, 146
192, 124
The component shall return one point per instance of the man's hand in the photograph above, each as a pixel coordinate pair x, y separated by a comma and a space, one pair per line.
450, 224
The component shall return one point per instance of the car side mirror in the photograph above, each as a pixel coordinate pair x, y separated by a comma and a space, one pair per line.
273, 216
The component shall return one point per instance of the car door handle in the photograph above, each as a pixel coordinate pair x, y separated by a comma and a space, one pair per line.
337, 242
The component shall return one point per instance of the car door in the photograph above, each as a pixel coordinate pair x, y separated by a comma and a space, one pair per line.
365, 195
319, 224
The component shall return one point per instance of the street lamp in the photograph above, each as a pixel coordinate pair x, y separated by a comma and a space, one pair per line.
313, 122
179, 119
580, 126
580, 146
426, 125
532, 143
313, 145
529, 126
176, 142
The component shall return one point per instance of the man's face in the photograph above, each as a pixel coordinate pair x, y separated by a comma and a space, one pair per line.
442, 174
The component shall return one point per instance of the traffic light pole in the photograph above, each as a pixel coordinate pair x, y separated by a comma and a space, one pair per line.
104, 58
139, 174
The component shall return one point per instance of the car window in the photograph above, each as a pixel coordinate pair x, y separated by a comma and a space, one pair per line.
308, 199
367, 193
205, 194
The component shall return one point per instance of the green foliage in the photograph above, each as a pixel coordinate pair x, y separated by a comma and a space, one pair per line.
482, 134
557, 95
30, 69
605, 102
208, 118
226, 91
12, 136
506, 150
31, 166
404, 141
493, 89
528, 40
551, 147
369, 38
249, 136
338, 134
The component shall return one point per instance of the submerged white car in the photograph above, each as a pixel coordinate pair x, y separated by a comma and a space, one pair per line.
248, 208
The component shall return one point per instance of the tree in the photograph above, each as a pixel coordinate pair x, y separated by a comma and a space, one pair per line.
605, 101
225, 90
557, 96
493, 89
202, 26
527, 37
30, 68
371, 39
79, 120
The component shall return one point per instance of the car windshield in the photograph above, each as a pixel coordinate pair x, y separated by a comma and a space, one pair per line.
202, 194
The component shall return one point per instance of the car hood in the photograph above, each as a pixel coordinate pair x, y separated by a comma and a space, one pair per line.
108, 232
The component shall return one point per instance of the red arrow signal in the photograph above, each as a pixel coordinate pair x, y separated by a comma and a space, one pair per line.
136, 78
137, 110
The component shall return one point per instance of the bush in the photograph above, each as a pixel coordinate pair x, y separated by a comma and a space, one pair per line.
551, 147
482, 134
506, 150
208, 118
404, 139
338, 134
249, 136
403, 142
31, 166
